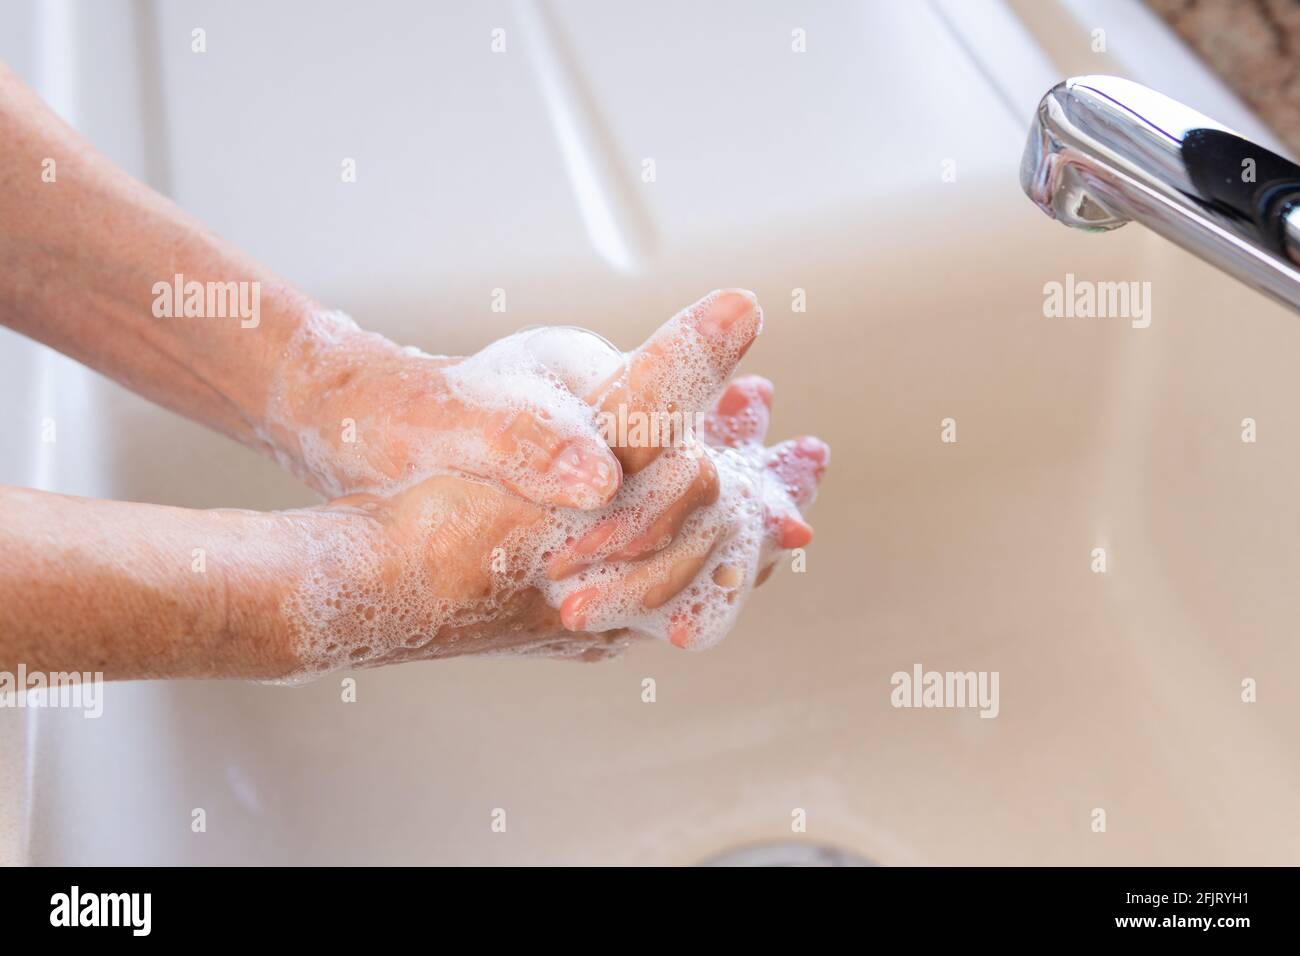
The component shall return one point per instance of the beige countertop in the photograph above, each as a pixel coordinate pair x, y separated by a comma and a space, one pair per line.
1252, 45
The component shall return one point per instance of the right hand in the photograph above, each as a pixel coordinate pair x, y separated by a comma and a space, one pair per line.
354, 412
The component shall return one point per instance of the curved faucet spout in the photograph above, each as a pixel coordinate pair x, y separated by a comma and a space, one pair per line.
1103, 151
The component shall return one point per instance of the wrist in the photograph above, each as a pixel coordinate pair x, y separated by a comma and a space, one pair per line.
251, 631
353, 410
321, 610
312, 411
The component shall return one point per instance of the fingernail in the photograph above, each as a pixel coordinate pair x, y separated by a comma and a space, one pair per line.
726, 311
637, 548
592, 475
813, 448
592, 541
794, 533
562, 565
679, 635
573, 609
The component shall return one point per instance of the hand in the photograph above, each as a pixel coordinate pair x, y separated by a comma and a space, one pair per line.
690, 572
355, 412
451, 567
534, 412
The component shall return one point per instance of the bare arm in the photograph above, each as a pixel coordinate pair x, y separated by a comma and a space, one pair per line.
139, 591
107, 271
83, 254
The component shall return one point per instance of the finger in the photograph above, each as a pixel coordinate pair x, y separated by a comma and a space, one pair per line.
742, 413
585, 550
790, 531
676, 373
799, 465
626, 536
701, 493
680, 572
783, 531
648, 586
680, 631
543, 464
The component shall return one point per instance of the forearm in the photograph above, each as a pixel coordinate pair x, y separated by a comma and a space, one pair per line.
87, 253
142, 591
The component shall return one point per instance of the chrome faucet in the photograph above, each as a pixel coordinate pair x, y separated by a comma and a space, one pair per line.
1103, 150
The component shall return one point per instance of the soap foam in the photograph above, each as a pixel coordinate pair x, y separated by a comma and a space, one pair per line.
351, 610
345, 617
361, 601
730, 532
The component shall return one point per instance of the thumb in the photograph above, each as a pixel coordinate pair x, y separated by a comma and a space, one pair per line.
681, 367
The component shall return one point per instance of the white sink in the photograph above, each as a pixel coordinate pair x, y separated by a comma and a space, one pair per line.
775, 171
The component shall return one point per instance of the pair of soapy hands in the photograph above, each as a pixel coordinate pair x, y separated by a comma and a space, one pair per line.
417, 429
